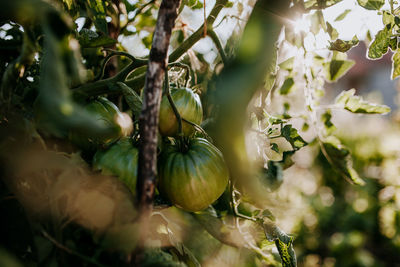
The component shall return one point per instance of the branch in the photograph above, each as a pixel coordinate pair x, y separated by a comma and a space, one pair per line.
148, 119
218, 44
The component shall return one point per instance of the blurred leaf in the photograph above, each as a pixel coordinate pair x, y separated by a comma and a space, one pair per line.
193, 4
8, 260
123, 238
337, 68
132, 99
275, 147
214, 225
326, 120
371, 4
317, 22
275, 120
88, 38
155, 257
293, 137
181, 252
388, 18
380, 45
287, 64
356, 104
271, 72
333, 33
272, 177
343, 46
69, 3
97, 14
286, 86
339, 156
283, 242
310, 4
343, 15
396, 64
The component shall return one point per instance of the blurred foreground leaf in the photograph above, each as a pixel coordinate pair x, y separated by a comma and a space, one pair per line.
339, 156
356, 104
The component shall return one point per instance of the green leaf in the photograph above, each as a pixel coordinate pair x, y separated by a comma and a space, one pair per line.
275, 147
88, 38
317, 22
97, 13
395, 65
156, 257
69, 4
272, 177
318, 4
371, 4
331, 31
326, 120
275, 120
380, 45
339, 157
287, 64
286, 86
193, 4
356, 104
343, 46
388, 18
283, 242
217, 228
293, 137
343, 15
132, 99
337, 68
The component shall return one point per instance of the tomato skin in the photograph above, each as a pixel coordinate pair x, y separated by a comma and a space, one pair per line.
189, 107
193, 179
121, 160
108, 114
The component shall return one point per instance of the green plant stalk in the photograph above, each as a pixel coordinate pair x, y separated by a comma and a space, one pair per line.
167, 92
217, 42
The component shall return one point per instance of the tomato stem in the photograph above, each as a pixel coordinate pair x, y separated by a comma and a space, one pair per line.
171, 102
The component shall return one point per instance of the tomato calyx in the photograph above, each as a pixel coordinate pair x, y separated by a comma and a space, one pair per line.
183, 143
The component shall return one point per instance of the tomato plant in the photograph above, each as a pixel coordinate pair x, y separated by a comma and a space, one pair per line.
192, 174
103, 164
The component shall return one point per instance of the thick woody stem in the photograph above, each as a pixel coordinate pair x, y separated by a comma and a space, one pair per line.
148, 119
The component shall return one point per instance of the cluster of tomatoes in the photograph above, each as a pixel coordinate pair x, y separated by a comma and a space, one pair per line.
191, 171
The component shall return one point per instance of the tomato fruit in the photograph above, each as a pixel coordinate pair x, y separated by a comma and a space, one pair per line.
107, 113
121, 160
189, 107
193, 177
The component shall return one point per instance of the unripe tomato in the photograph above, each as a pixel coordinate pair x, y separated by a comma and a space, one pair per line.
189, 107
121, 160
194, 177
105, 112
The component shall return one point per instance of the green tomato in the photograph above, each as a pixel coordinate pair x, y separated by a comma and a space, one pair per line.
105, 112
189, 107
121, 160
194, 177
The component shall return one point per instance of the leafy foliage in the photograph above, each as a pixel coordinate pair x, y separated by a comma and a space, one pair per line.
62, 211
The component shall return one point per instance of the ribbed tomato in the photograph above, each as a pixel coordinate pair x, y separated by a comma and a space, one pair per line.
189, 107
107, 113
193, 177
121, 160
